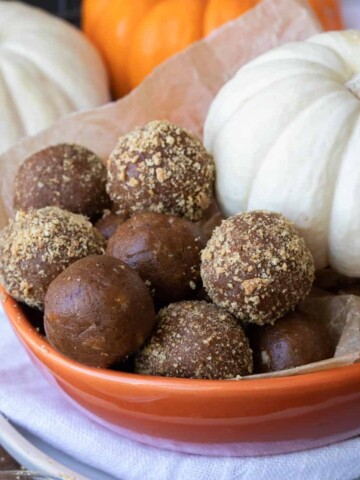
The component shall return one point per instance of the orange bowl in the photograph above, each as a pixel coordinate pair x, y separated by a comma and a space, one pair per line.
213, 417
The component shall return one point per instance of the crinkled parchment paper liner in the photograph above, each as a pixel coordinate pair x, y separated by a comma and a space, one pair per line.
181, 90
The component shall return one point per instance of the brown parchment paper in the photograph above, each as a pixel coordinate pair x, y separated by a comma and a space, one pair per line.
181, 91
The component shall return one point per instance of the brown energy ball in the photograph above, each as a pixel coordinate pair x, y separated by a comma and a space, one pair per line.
257, 266
196, 340
212, 218
164, 250
98, 311
294, 340
40, 244
109, 222
161, 168
66, 176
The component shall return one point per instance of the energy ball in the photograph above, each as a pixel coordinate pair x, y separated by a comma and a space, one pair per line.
98, 311
212, 218
196, 340
257, 266
66, 176
109, 222
294, 340
164, 250
161, 168
40, 244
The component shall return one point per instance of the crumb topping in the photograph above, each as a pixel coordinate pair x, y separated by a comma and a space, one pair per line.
39, 244
195, 339
161, 168
257, 266
68, 176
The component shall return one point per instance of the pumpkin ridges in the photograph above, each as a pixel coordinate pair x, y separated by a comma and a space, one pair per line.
219, 12
33, 62
304, 186
19, 74
91, 11
268, 132
329, 13
168, 28
248, 86
31, 48
145, 18
47, 75
114, 32
10, 113
344, 222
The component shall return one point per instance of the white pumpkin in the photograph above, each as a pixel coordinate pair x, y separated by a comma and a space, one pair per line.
285, 134
47, 69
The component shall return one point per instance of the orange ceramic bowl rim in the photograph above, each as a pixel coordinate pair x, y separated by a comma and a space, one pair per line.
54, 360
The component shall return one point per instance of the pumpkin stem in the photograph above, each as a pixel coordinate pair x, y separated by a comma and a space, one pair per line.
353, 86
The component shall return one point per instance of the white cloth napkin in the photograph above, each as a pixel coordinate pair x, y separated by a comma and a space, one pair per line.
30, 402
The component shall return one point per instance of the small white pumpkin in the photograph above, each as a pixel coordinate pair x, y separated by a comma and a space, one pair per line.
47, 69
285, 134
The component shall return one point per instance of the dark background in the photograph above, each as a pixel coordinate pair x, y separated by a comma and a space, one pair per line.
68, 9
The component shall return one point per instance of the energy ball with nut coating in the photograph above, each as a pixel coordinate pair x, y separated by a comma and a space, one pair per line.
161, 168
98, 311
38, 245
257, 266
195, 340
65, 175
164, 250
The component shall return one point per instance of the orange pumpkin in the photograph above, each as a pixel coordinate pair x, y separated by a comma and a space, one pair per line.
135, 36
329, 13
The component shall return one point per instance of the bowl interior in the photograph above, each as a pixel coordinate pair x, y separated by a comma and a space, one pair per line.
213, 417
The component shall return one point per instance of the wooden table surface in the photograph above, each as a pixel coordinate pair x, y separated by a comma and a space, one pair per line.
6, 462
